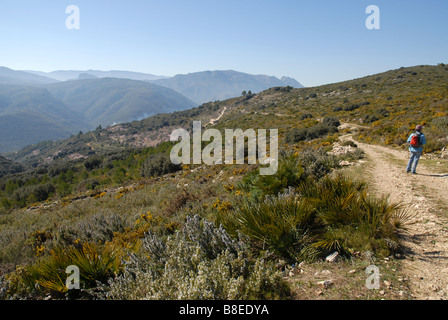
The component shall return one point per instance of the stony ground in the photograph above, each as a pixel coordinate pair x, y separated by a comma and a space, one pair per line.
425, 196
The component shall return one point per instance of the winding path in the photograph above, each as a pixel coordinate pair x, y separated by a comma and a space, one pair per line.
425, 196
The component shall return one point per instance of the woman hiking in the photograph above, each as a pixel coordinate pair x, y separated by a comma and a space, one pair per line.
416, 142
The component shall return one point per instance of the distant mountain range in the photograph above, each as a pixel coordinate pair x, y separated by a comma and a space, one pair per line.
64, 75
206, 86
200, 87
13, 77
34, 109
391, 101
108, 101
37, 106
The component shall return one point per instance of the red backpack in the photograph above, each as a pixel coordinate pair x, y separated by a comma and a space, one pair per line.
415, 140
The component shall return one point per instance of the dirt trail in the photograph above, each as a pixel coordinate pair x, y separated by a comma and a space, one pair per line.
213, 121
425, 195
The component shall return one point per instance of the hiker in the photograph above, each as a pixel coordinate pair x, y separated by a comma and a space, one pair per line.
416, 141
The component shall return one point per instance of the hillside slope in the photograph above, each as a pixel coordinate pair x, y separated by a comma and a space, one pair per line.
112, 100
29, 115
9, 167
40, 112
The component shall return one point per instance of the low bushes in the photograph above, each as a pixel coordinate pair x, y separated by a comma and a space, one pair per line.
328, 125
317, 218
159, 164
199, 262
289, 173
96, 264
313, 213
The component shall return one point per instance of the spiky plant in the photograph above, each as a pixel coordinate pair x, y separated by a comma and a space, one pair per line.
280, 223
336, 199
349, 217
95, 263
289, 174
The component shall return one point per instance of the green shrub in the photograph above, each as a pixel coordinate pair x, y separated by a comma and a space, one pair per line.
96, 264
369, 118
306, 116
317, 162
93, 163
331, 122
350, 143
328, 125
33, 193
159, 164
317, 131
436, 134
317, 217
280, 223
296, 135
344, 208
351, 107
289, 173
98, 228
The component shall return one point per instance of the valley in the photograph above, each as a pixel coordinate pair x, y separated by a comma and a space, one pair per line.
40, 107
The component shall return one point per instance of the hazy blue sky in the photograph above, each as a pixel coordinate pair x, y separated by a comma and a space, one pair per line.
314, 41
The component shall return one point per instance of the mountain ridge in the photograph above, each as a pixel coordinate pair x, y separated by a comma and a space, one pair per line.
105, 98
206, 86
66, 75
15, 77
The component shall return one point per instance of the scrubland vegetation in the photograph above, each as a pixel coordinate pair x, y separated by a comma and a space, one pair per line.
139, 227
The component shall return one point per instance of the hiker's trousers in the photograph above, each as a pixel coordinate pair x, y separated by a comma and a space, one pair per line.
413, 162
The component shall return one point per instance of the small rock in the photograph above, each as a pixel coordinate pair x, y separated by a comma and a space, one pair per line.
281, 263
332, 257
326, 284
319, 293
352, 271
382, 292
326, 272
387, 284
295, 271
435, 288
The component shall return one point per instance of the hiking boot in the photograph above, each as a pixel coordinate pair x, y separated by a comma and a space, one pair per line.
414, 172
